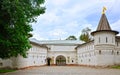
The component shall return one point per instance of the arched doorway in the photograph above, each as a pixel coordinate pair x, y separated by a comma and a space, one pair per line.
60, 60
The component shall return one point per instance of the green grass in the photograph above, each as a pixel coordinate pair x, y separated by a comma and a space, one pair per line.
116, 67
5, 71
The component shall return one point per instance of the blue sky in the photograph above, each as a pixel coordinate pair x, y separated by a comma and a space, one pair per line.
68, 17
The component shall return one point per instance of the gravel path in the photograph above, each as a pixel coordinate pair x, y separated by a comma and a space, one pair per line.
65, 70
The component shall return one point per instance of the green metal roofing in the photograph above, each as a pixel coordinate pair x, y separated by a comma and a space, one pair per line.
57, 42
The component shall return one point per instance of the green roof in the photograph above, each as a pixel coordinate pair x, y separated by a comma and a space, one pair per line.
57, 42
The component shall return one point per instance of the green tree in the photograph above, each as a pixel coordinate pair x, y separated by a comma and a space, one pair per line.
85, 36
16, 17
71, 38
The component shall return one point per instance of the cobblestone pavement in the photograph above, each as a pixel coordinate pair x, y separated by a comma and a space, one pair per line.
65, 70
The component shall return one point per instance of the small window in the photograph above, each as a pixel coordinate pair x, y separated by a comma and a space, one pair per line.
33, 56
99, 51
112, 40
1, 64
37, 56
34, 62
112, 51
89, 60
72, 61
106, 39
117, 52
99, 39
81, 60
90, 55
117, 43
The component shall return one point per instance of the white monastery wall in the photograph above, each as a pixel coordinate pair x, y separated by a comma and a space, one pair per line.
5, 63
36, 57
104, 57
62, 48
86, 54
68, 52
117, 53
101, 54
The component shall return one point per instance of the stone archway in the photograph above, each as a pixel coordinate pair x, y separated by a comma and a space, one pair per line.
60, 60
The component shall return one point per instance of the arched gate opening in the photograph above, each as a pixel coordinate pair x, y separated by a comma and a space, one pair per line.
60, 60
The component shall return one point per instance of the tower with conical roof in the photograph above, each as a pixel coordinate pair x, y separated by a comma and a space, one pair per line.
104, 42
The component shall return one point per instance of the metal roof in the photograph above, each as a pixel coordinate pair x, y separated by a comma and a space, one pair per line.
56, 42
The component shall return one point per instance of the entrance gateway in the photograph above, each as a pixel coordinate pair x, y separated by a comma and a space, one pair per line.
60, 60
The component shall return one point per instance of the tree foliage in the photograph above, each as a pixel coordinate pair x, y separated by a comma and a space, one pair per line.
15, 19
72, 37
85, 36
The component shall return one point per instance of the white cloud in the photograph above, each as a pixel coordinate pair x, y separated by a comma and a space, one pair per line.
38, 37
65, 17
86, 25
116, 26
83, 27
115, 7
58, 2
81, 6
72, 24
48, 18
57, 32
93, 28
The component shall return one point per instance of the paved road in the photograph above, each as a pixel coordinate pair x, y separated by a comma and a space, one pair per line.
65, 70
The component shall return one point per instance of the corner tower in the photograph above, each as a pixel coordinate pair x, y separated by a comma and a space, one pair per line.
104, 42
104, 34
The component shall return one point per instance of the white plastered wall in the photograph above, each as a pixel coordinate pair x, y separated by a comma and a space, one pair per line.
67, 51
